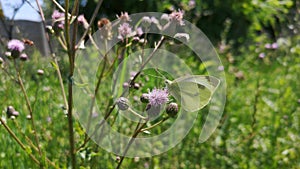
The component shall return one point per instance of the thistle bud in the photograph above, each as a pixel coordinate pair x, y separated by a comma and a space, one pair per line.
146, 21
144, 98
123, 103
9, 111
118, 158
172, 109
15, 113
136, 86
28, 117
1, 61
23, 57
40, 72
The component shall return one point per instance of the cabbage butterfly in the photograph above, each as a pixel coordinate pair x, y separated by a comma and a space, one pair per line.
193, 91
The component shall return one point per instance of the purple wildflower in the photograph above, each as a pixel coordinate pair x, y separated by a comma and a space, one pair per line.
125, 30
146, 21
124, 17
220, 68
165, 17
192, 3
56, 14
177, 16
81, 20
274, 45
15, 45
139, 31
261, 55
268, 46
158, 97
49, 119
133, 73
61, 25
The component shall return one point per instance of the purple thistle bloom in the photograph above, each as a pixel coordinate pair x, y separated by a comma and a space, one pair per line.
192, 3
139, 31
177, 17
56, 14
261, 55
165, 17
15, 45
124, 17
81, 20
220, 68
268, 46
158, 97
274, 45
125, 30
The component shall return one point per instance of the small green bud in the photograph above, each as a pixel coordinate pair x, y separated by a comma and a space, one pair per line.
172, 109
123, 103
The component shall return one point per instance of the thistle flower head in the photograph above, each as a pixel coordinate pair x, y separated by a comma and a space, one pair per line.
146, 21
11, 112
158, 97
124, 17
123, 103
82, 21
177, 16
139, 31
15, 45
125, 30
268, 46
261, 55
172, 109
56, 14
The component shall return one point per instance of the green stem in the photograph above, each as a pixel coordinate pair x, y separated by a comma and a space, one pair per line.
156, 124
135, 134
18, 141
71, 54
135, 113
29, 141
54, 56
148, 59
20, 82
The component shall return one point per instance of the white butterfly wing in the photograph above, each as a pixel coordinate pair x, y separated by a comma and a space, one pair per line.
193, 91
